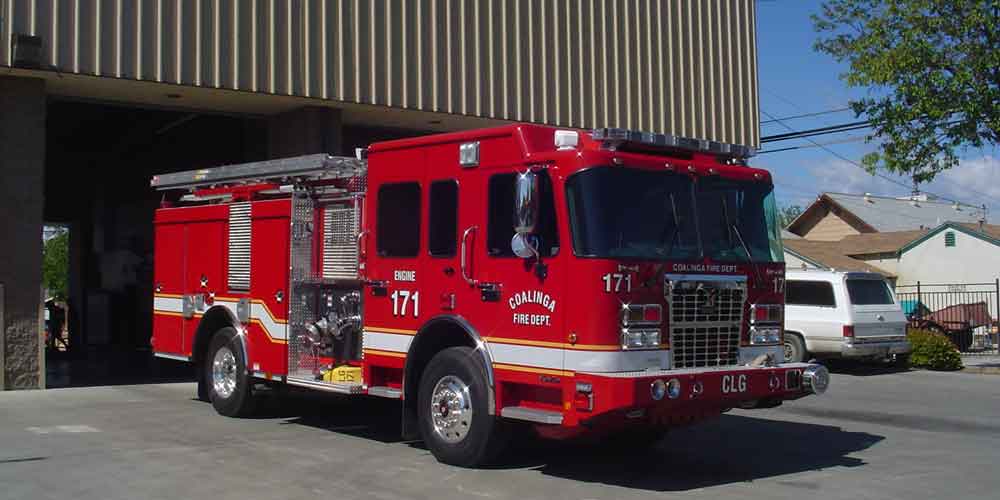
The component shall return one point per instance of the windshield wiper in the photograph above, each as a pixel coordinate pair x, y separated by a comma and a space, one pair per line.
736, 230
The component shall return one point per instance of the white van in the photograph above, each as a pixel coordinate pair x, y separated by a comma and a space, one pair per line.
842, 314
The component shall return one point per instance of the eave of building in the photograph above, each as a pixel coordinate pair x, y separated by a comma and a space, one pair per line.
948, 225
821, 207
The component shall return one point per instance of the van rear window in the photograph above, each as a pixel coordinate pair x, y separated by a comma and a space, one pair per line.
868, 292
809, 293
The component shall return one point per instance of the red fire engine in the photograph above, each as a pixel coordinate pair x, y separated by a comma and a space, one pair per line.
603, 281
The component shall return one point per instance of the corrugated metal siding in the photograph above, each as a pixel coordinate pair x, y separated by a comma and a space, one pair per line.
684, 67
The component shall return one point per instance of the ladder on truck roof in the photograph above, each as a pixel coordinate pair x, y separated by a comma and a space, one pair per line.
309, 167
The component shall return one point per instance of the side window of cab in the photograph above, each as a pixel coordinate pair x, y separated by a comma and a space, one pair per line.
500, 222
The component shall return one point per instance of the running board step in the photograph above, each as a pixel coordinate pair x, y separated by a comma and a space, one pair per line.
385, 392
532, 415
338, 387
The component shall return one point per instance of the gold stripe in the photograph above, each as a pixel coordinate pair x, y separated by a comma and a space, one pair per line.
392, 354
389, 330
168, 313
558, 345
168, 295
528, 369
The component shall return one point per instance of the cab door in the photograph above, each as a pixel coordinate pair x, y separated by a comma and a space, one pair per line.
520, 300
395, 302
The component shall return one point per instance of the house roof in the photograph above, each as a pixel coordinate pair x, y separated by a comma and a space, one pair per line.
868, 243
869, 213
827, 254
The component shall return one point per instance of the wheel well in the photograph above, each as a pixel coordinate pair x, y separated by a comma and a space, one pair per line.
435, 336
215, 319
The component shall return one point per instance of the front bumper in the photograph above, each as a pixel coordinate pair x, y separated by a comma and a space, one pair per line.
704, 390
875, 349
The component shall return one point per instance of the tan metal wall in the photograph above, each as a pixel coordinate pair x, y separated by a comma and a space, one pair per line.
688, 67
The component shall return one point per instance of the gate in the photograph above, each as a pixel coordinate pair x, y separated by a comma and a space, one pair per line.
965, 312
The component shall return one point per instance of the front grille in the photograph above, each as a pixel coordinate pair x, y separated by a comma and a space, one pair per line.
706, 316
696, 347
690, 305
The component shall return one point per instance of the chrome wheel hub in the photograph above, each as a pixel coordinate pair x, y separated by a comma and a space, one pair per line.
224, 372
451, 409
789, 351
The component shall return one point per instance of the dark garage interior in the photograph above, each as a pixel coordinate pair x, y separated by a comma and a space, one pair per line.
99, 160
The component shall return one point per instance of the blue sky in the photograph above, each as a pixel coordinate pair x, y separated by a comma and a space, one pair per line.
794, 80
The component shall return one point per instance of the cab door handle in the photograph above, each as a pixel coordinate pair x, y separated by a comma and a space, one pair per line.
465, 257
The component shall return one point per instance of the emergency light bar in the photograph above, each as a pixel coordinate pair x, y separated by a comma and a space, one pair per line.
615, 138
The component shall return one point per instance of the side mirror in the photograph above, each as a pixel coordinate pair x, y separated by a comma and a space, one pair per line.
526, 197
523, 245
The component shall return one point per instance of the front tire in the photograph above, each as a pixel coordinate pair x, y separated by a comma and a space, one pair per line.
795, 349
225, 375
453, 410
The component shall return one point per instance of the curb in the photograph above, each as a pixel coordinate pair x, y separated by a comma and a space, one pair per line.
981, 370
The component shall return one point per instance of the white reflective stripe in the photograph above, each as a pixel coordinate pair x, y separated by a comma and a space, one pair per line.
274, 329
393, 342
258, 312
540, 357
168, 304
616, 361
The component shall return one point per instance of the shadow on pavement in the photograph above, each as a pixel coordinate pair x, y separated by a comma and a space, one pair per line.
862, 368
733, 448
110, 366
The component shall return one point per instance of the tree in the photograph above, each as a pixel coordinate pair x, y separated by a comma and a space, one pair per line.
932, 68
55, 265
787, 214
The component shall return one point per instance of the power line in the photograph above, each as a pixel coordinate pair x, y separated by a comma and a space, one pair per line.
856, 164
833, 129
855, 138
806, 115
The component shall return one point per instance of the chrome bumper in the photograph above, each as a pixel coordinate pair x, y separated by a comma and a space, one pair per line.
875, 349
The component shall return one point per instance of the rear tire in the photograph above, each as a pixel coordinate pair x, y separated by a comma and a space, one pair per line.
453, 410
224, 371
795, 349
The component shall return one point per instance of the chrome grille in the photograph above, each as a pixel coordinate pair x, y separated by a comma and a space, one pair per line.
706, 315
340, 245
695, 346
239, 247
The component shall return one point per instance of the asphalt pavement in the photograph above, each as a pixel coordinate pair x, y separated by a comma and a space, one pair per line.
909, 435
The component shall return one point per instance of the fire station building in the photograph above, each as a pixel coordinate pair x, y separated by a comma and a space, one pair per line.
98, 95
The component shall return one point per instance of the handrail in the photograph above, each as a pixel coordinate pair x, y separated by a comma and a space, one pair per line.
464, 259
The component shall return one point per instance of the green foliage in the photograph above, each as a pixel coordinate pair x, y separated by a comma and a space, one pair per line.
787, 214
932, 68
933, 350
55, 265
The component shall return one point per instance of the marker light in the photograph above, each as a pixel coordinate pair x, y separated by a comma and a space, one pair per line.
673, 388
658, 389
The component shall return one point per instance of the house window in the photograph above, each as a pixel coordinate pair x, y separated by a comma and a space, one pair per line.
397, 231
949, 239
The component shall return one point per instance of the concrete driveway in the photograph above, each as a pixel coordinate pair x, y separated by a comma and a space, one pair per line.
887, 435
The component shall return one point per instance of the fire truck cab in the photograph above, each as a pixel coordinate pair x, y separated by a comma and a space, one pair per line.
578, 281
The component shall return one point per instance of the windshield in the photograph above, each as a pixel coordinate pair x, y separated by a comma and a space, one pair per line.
620, 212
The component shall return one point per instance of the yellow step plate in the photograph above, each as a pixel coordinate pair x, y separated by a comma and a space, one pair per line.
343, 373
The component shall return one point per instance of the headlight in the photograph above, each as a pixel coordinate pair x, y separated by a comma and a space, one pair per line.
763, 335
640, 338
